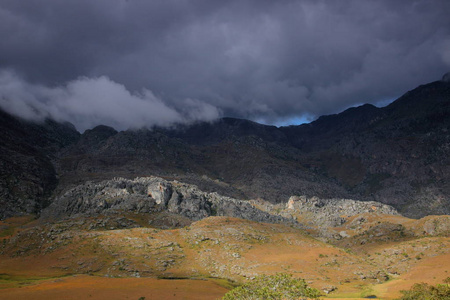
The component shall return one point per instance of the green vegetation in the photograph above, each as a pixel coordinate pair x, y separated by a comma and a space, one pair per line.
279, 286
424, 291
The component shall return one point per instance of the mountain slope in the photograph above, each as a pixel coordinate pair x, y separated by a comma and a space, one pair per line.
27, 176
396, 155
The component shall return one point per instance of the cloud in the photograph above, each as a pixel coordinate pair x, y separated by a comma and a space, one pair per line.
445, 51
87, 102
264, 60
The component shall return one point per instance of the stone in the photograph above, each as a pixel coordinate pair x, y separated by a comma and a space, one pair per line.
344, 234
152, 195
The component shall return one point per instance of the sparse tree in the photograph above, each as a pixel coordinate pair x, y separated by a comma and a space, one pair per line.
424, 291
279, 286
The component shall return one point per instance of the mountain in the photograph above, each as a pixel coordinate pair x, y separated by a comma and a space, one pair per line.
27, 154
396, 155
121, 238
218, 204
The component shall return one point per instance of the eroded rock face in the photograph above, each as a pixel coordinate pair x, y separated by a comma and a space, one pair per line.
333, 212
151, 195
160, 191
154, 195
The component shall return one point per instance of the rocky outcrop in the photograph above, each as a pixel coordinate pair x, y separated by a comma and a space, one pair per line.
152, 195
325, 217
334, 212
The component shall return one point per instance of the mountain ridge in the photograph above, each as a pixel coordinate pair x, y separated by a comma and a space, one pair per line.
395, 155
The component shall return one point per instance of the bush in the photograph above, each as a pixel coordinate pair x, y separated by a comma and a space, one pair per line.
424, 291
279, 286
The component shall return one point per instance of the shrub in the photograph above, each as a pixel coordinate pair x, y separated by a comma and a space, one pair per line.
424, 291
279, 286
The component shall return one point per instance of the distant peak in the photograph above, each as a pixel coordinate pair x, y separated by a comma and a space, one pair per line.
102, 128
446, 77
100, 132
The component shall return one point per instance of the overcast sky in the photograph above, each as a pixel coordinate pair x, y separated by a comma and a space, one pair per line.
133, 63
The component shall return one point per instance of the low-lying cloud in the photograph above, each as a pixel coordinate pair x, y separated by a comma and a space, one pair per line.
87, 102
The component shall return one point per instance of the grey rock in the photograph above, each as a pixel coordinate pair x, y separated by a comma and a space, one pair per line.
333, 212
152, 195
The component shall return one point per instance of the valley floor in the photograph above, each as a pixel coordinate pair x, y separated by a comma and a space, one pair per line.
93, 287
74, 260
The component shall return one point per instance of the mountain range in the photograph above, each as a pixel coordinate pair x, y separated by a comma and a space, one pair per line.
395, 155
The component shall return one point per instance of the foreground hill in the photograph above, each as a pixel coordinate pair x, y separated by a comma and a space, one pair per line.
396, 155
372, 259
149, 228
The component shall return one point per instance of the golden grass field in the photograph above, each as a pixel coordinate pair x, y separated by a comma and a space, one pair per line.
204, 260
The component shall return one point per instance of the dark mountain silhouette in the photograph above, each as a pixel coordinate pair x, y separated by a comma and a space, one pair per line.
27, 151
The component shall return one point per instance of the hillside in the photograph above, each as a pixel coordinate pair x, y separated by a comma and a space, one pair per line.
396, 155
150, 237
194, 210
376, 255
27, 152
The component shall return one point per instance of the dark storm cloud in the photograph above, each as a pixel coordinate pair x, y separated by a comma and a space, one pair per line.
265, 60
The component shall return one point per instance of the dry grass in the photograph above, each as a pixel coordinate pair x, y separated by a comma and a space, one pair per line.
91, 287
219, 247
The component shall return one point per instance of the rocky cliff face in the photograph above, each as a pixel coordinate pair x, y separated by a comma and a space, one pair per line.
152, 195
334, 212
396, 155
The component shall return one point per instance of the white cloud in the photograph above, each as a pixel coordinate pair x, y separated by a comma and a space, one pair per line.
87, 102
445, 52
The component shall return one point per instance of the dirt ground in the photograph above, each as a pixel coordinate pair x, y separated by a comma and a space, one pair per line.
99, 288
35, 264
